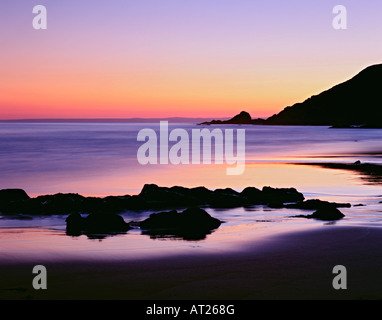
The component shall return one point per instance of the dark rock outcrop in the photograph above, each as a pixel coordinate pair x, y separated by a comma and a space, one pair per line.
151, 197
12, 198
163, 197
273, 197
315, 204
75, 224
281, 195
13, 195
95, 223
191, 224
328, 213
325, 213
225, 198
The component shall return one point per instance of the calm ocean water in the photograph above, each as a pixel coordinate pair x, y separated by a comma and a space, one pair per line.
100, 159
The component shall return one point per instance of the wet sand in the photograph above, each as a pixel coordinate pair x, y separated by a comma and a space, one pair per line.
369, 172
296, 265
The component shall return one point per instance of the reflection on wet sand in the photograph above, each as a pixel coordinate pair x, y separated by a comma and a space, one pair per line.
370, 173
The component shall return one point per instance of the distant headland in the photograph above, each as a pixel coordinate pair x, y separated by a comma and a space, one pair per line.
242, 118
356, 103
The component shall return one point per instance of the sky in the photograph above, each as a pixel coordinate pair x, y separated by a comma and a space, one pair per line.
178, 58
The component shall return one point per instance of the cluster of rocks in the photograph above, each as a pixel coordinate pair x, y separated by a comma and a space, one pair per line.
151, 197
192, 223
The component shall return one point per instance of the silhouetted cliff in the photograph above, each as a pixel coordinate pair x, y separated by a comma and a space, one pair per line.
357, 101
354, 103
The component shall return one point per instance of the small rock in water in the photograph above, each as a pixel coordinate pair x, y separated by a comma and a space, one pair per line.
329, 213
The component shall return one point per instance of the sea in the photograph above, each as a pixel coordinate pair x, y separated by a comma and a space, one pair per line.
100, 159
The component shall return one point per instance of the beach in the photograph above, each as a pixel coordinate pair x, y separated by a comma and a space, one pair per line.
295, 265
259, 252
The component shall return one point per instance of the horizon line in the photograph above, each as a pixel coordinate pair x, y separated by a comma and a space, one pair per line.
116, 120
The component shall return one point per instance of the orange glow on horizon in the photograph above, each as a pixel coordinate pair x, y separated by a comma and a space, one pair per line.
93, 99
105, 91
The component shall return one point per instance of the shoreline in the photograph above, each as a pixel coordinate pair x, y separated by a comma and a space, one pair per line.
295, 265
370, 172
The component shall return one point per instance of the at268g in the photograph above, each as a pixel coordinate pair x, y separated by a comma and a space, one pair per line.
216, 309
